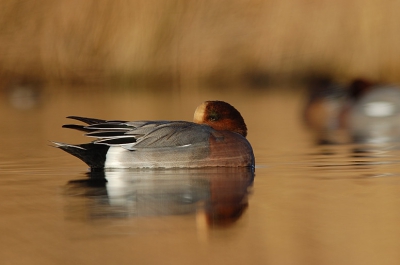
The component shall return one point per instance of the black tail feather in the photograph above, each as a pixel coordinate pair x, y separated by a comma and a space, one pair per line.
92, 121
77, 127
87, 120
119, 126
105, 134
94, 155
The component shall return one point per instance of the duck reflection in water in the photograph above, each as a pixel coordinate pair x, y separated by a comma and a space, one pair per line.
219, 195
361, 112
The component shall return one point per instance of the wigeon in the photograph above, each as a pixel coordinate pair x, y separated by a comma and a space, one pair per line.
373, 113
364, 110
215, 138
322, 111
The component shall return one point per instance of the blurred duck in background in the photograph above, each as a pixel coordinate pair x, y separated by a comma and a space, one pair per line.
323, 110
373, 112
362, 112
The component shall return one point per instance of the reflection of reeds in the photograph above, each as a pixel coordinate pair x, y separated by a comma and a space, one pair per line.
197, 42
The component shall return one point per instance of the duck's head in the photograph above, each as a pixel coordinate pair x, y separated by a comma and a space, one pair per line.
359, 87
220, 116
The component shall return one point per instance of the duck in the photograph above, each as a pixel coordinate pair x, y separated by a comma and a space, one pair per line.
373, 112
358, 112
322, 112
215, 138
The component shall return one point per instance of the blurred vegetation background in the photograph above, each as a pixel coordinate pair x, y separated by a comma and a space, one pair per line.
193, 43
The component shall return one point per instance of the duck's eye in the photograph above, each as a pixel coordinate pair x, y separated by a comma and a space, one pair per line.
213, 117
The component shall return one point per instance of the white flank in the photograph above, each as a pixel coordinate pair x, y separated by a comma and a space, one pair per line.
379, 109
114, 158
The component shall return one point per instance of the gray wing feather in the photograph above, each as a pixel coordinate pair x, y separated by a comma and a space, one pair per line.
159, 134
174, 134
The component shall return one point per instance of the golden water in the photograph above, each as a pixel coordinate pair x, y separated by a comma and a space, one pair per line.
308, 204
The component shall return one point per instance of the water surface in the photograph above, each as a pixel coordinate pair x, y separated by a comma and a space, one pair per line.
306, 204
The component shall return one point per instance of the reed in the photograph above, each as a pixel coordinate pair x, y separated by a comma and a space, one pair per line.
193, 43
